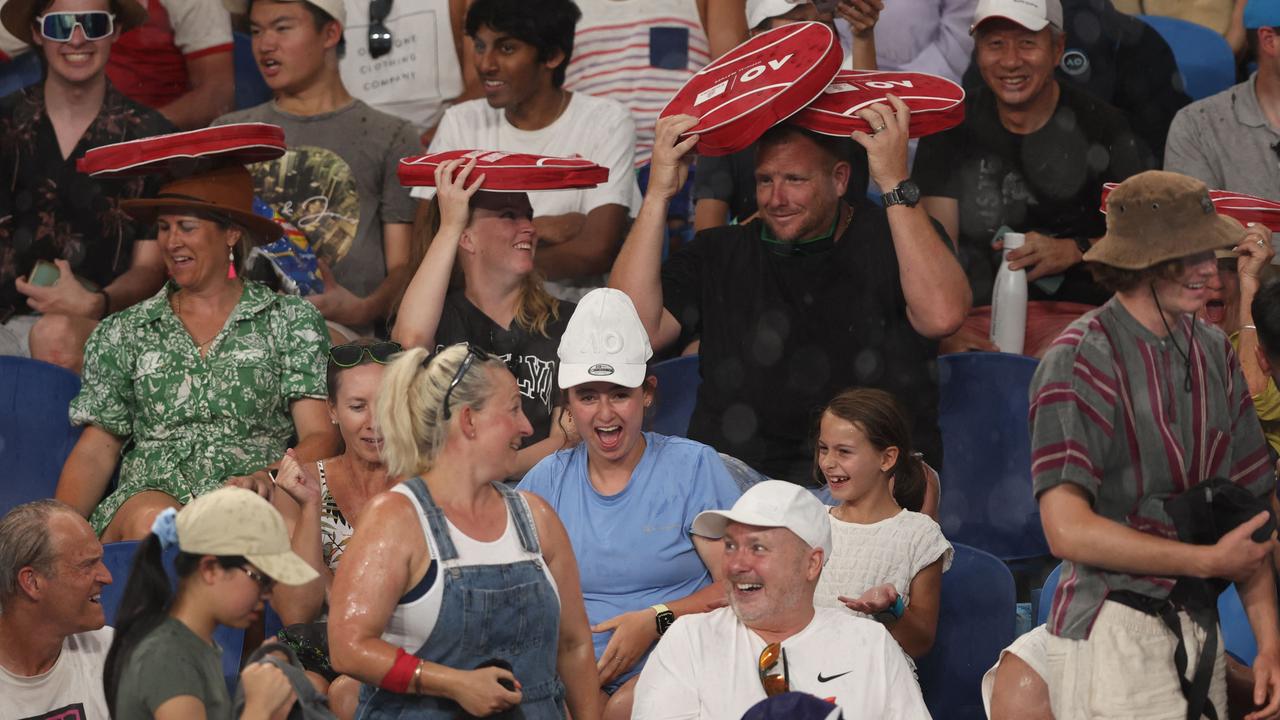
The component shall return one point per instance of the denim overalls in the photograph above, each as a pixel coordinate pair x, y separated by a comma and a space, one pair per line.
487, 612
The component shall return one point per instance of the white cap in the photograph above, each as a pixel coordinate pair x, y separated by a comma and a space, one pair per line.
773, 503
336, 8
1034, 15
604, 342
760, 10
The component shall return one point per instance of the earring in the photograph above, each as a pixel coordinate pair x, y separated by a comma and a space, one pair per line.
231, 256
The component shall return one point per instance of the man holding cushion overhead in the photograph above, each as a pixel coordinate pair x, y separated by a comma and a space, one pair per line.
815, 296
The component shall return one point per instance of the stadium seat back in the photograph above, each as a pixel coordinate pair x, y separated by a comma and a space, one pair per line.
35, 435
1204, 58
975, 622
251, 89
678, 381
987, 499
20, 72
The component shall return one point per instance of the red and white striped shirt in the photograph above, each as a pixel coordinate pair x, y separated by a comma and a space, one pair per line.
639, 53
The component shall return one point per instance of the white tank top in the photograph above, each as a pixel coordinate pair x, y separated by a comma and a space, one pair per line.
411, 623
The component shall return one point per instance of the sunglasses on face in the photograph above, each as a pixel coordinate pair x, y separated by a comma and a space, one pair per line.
350, 355
265, 584
379, 35
473, 353
59, 26
774, 683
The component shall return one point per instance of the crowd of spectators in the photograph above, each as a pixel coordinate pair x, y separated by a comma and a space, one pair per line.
436, 468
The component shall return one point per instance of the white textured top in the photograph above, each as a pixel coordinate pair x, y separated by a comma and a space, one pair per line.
890, 551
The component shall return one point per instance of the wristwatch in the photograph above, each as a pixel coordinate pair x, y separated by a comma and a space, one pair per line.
907, 193
664, 618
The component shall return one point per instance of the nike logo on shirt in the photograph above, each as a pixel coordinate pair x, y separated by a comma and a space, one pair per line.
829, 678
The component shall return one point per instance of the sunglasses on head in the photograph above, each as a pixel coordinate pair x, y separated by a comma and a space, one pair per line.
379, 34
59, 26
775, 683
351, 354
473, 353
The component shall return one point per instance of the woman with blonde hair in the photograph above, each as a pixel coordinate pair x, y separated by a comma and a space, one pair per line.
479, 611
501, 306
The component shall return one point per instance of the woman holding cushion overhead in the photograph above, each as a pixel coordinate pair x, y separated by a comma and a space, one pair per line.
628, 498
501, 307
457, 593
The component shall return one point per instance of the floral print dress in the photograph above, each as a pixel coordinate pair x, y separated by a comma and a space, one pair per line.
188, 422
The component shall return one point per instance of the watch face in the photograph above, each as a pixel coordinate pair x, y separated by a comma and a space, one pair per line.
910, 192
664, 621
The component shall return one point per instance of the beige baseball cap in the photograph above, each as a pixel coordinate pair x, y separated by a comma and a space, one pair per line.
235, 521
1034, 15
336, 9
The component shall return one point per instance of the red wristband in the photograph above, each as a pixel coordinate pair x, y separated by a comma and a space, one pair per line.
401, 673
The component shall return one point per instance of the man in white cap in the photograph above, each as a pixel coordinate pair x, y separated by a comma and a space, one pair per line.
337, 182
1030, 157
771, 639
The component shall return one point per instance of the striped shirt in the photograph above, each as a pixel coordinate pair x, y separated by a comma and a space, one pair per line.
638, 52
1110, 413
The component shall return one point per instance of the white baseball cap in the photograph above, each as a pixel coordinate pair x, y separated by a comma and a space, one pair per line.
604, 342
760, 10
773, 503
336, 8
1034, 15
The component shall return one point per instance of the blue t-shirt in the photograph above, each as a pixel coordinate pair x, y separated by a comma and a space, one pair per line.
633, 548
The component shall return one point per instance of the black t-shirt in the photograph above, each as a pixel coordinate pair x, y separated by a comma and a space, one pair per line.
531, 356
49, 210
1049, 181
732, 178
781, 335
1122, 61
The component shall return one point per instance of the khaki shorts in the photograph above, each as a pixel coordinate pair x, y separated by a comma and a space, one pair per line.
1125, 669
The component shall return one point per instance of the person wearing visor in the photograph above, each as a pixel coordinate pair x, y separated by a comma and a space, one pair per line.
771, 640
204, 382
1135, 404
458, 596
501, 305
627, 497
232, 549
68, 255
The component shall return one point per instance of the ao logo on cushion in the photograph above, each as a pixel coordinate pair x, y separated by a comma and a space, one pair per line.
756, 85
936, 103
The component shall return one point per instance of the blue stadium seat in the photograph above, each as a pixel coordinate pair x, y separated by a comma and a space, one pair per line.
987, 501
118, 558
975, 622
1204, 58
35, 434
21, 71
251, 89
678, 382
1237, 634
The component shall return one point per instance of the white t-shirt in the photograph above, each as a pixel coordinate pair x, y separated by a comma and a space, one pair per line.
893, 551
706, 667
597, 129
421, 72
70, 690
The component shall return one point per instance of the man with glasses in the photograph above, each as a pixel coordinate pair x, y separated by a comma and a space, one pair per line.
337, 182
52, 640
68, 255
771, 639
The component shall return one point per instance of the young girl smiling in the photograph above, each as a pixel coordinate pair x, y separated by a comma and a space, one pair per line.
887, 559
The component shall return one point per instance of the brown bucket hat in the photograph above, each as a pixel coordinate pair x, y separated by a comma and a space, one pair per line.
1157, 216
226, 191
18, 16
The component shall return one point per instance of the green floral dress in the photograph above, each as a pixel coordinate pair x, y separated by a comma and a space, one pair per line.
189, 423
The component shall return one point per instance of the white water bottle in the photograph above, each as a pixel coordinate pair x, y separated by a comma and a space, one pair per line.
1009, 301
